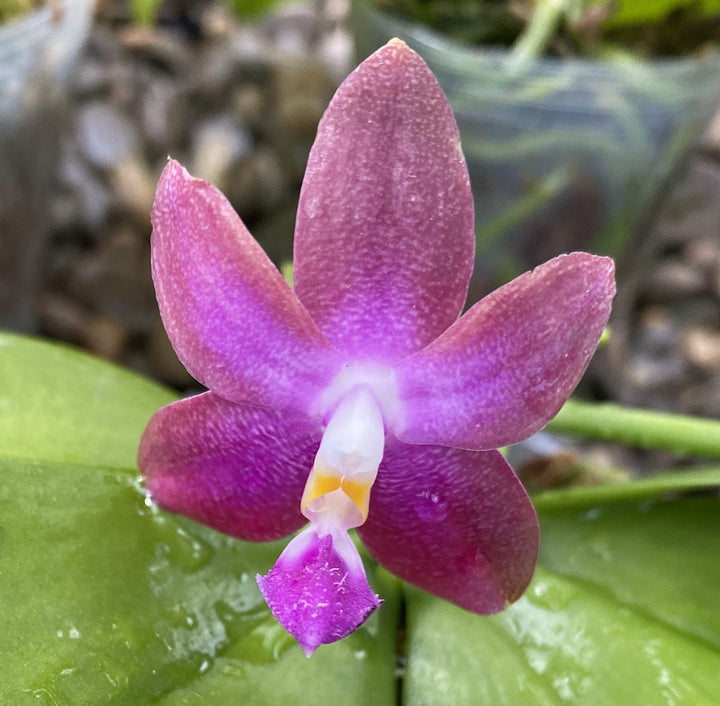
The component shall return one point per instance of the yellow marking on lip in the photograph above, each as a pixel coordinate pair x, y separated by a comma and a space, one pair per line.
322, 484
359, 493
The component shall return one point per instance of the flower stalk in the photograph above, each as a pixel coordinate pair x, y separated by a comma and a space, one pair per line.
647, 429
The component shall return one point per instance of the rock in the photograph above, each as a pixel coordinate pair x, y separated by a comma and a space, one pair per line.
218, 144
674, 278
247, 50
654, 357
702, 399
259, 184
275, 233
701, 345
91, 80
156, 47
60, 317
114, 281
302, 90
704, 253
336, 54
104, 337
105, 135
217, 20
84, 189
249, 104
163, 115
134, 186
711, 138
291, 29
693, 207
163, 362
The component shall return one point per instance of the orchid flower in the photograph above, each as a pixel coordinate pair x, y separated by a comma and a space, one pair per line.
362, 399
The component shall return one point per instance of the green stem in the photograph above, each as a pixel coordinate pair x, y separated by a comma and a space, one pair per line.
534, 40
639, 489
639, 427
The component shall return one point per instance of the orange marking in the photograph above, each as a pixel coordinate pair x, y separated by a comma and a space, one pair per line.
359, 493
322, 485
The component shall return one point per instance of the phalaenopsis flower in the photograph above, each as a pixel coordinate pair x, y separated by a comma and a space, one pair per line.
360, 399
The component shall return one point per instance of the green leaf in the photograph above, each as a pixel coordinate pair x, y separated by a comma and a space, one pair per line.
622, 609
249, 8
145, 12
633, 11
57, 404
108, 600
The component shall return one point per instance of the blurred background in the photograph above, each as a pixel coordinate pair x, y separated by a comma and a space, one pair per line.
95, 96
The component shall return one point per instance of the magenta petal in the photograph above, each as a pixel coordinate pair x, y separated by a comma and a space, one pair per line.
384, 239
507, 366
238, 469
318, 590
232, 319
456, 523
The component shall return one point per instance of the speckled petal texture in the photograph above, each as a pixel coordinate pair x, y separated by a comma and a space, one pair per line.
507, 366
384, 239
318, 589
232, 319
238, 469
455, 523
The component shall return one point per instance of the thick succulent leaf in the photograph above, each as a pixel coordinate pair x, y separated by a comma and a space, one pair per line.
240, 470
59, 405
623, 609
507, 366
108, 600
461, 524
384, 237
231, 317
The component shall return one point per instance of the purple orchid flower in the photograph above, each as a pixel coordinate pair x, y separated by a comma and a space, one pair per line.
361, 400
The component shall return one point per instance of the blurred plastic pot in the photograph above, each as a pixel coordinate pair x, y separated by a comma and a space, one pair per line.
37, 51
564, 154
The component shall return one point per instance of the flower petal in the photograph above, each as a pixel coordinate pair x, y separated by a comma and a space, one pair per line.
238, 469
232, 319
384, 239
318, 589
455, 523
507, 366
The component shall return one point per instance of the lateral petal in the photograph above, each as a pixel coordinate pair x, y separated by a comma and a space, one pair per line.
233, 321
240, 470
384, 239
318, 589
455, 523
507, 366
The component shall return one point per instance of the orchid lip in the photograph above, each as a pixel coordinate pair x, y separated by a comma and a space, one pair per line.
336, 598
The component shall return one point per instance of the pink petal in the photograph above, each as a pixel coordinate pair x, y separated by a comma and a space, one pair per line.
385, 238
508, 365
318, 590
455, 523
232, 319
238, 469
